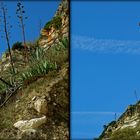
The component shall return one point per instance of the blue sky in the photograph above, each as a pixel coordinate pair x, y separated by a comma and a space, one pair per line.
105, 63
36, 11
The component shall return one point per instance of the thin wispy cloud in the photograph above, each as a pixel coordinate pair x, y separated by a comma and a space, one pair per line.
106, 45
95, 113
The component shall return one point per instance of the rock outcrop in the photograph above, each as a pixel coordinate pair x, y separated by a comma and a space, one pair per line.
41, 106
30, 124
51, 35
45, 96
130, 119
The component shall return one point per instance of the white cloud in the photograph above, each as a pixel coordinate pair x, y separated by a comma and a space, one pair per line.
95, 113
106, 45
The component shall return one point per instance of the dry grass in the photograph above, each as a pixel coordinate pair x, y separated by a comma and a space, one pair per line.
20, 106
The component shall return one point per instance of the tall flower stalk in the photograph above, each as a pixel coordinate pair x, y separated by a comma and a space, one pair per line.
5, 28
20, 12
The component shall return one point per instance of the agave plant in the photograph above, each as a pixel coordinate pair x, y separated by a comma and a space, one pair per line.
38, 70
38, 65
64, 42
2, 86
37, 55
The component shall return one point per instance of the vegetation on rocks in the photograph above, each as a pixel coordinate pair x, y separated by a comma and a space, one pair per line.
40, 78
43, 78
17, 46
127, 127
56, 22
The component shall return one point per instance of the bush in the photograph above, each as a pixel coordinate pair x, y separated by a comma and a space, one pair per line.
37, 55
64, 43
38, 70
127, 133
48, 25
38, 65
5, 54
2, 86
18, 46
56, 22
33, 45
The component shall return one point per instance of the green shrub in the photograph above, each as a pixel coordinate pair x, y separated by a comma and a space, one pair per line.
56, 22
37, 55
129, 134
38, 70
64, 42
58, 53
5, 54
48, 25
2, 86
33, 45
18, 46
38, 65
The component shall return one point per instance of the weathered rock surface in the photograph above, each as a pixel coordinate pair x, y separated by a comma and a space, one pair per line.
51, 36
41, 106
30, 124
55, 102
129, 119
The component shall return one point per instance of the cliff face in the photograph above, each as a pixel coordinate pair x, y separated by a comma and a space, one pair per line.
39, 108
128, 121
57, 28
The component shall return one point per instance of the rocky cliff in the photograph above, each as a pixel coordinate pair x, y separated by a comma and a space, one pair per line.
50, 34
39, 109
127, 127
57, 28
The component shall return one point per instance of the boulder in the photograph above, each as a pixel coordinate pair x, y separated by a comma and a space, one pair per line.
30, 124
40, 106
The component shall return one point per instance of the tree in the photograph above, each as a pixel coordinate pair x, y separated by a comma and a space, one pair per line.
6, 30
20, 12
